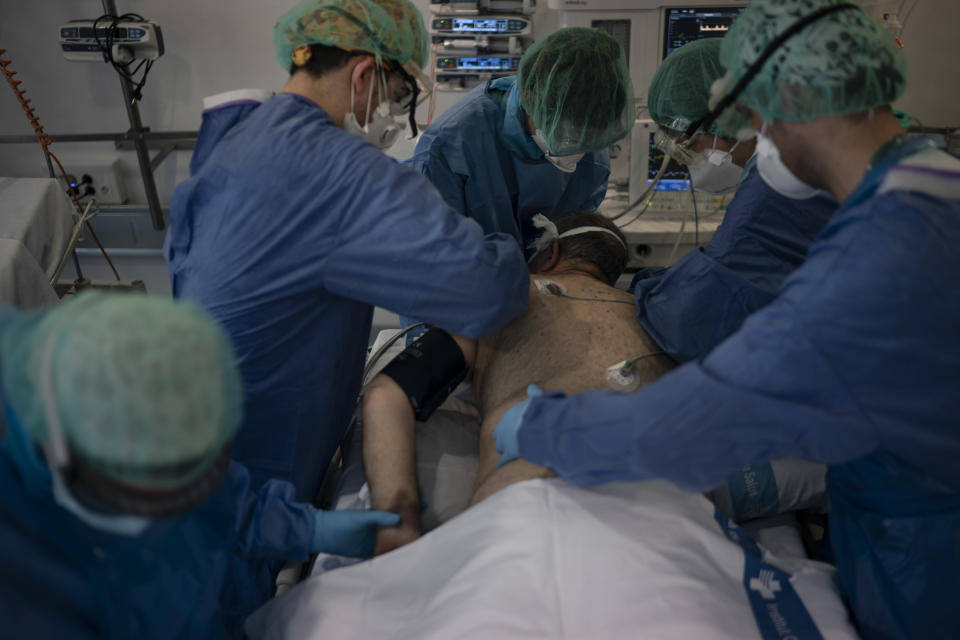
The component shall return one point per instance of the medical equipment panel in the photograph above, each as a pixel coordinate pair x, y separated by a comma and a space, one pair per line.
476, 41
90, 40
474, 64
482, 25
524, 7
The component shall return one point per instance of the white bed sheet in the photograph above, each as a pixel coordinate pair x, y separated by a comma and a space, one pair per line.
545, 559
35, 224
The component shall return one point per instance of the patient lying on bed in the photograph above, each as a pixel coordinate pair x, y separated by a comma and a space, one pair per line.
576, 326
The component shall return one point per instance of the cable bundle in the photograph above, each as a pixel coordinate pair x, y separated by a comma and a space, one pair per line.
123, 68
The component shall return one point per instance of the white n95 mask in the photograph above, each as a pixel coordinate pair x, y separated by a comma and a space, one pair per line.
567, 164
382, 130
776, 174
714, 171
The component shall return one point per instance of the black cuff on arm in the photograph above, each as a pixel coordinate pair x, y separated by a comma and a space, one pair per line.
428, 371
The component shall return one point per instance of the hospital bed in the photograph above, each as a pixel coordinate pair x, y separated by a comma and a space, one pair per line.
546, 559
35, 225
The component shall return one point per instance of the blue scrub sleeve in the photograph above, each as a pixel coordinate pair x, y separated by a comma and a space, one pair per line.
412, 254
691, 427
451, 186
270, 524
694, 305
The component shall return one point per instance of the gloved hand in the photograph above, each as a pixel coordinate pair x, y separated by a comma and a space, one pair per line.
505, 433
349, 532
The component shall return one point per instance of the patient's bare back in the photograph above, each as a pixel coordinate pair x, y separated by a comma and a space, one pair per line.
561, 344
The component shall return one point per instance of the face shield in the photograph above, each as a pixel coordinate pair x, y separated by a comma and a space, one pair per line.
408, 91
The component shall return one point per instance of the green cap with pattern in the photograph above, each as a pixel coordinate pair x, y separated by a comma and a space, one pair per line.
575, 85
843, 62
392, 29
143, 389
680, 91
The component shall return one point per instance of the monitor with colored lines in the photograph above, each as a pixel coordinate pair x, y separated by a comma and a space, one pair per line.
686, 24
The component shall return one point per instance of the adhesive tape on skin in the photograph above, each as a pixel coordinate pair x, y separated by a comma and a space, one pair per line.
549, 232
622, 378
543, 286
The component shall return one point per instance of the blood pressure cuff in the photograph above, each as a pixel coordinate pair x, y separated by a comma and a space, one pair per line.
428, 371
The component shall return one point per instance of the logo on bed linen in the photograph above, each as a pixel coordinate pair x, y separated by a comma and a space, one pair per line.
765, 584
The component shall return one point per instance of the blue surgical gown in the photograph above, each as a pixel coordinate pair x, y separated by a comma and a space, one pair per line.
698, 302
479, 157
856, 364
289, 232
65, 579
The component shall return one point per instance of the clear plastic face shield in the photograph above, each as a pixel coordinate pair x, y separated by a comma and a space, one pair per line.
398, 92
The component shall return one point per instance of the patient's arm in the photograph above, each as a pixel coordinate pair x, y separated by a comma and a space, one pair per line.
388, 445
389, 460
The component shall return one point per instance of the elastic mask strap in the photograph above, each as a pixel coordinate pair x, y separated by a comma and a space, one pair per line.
366, 116
353, 91
728, 153
754, 68
576, 231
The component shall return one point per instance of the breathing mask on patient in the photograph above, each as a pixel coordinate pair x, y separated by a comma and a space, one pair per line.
548, 233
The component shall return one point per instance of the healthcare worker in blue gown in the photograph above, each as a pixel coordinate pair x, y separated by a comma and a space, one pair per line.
698, 302
537, 142
293, 225
856, 363
119, 505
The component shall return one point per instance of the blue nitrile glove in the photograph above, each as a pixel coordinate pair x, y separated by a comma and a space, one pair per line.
505, 433
351, 532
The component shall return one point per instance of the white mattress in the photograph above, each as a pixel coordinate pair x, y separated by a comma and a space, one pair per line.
545, 559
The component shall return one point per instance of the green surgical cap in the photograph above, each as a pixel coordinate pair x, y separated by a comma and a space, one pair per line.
843, 63
680, 91
145, 389
390, 28
575, 85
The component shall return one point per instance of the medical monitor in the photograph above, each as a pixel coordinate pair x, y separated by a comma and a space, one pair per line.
686, 24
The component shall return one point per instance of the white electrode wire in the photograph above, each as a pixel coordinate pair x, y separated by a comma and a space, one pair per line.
676, 245
72, 242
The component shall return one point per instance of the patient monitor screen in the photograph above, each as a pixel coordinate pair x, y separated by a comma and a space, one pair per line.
680, 26
686, 24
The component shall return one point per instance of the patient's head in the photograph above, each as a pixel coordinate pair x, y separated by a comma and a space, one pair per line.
595, 244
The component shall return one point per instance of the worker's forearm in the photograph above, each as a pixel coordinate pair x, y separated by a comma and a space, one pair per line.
388, 449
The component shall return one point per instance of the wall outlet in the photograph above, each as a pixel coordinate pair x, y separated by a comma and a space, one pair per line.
106, 179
